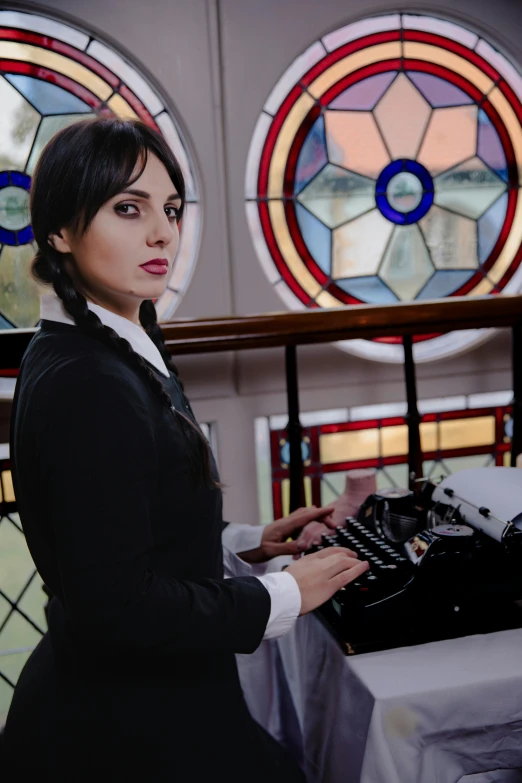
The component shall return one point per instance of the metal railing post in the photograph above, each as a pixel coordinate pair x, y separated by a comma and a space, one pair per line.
412, 416
294, 430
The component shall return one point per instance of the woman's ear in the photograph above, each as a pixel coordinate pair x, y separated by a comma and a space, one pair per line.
59, 242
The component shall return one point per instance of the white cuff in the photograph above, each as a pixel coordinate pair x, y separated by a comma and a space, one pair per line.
242, 538
285, 598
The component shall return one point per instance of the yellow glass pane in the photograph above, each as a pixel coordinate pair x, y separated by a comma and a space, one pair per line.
428, 436
19, 292
353, 62
285, 494
394, 440
121, 108
353, 141
464, 433
342, 446
483, 288
57, 62
402, 115
359, 245
434, 54
507, 459
287, 247
284, 141
451, 137
326, 300
7, 486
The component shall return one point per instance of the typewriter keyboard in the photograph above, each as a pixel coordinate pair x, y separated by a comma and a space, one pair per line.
389, 569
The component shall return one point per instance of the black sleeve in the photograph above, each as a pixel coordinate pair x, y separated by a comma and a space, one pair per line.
100, 466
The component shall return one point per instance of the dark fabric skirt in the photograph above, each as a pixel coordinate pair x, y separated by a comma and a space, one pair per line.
137, 724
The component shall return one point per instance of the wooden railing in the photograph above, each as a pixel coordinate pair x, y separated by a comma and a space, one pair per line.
289, 330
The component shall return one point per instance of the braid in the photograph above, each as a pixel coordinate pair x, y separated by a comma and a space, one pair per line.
76, 305
149, 321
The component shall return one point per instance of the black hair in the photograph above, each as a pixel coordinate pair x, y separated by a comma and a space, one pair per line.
79, 170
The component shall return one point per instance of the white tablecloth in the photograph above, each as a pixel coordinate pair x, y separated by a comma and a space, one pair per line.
437, 713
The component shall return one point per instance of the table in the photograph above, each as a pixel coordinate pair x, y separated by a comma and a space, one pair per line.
443, 712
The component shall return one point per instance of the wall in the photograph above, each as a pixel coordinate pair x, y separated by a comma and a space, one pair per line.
217, 62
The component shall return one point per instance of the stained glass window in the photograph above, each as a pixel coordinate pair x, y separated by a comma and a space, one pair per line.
456, 432
385, 167
52, 75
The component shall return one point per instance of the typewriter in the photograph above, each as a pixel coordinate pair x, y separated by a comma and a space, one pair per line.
444, 562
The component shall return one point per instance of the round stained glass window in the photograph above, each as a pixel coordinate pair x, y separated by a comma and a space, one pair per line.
385, 167
52, 75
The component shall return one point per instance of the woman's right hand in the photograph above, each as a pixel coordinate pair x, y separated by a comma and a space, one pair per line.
322, 574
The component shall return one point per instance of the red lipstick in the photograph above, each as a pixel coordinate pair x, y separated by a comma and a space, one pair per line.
156, 266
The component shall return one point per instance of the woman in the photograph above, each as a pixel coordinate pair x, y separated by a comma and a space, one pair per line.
120, 500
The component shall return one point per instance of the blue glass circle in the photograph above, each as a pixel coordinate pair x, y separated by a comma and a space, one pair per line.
384, 179
285, 452
25, 235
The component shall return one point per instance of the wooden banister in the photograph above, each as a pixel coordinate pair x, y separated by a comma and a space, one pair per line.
269, 330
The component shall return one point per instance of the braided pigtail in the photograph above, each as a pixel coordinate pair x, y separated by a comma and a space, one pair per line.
149, 321
81, 168
49, 269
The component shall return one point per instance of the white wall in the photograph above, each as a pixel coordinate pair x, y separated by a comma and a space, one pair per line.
217, 62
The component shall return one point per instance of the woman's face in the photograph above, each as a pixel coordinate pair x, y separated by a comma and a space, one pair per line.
128, 251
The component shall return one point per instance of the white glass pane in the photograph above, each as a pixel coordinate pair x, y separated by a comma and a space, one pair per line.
358, 246
18, 126
290, 299
128, 75
166, 305
359, 29
256, 232
48, 127
264, 470
336, 196
296, 71
382, 411
314, 418
503, 66
188, 249
442, 404
7, 388
490, 399
168, 129
44, 26
468, 189
440, 27
407, 266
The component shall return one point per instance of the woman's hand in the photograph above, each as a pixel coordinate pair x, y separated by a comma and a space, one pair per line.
322, 574
275, 536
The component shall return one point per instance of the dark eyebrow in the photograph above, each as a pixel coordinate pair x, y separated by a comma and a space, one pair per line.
145, 195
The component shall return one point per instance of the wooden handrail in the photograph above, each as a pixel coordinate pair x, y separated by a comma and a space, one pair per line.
232, 333
269, 330
289, 329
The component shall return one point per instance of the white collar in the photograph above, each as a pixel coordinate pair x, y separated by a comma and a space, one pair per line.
51, 309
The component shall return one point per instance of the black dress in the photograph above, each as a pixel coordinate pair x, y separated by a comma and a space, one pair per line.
136, 677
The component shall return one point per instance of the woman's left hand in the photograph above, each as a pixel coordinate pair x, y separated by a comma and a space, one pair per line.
275, 536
